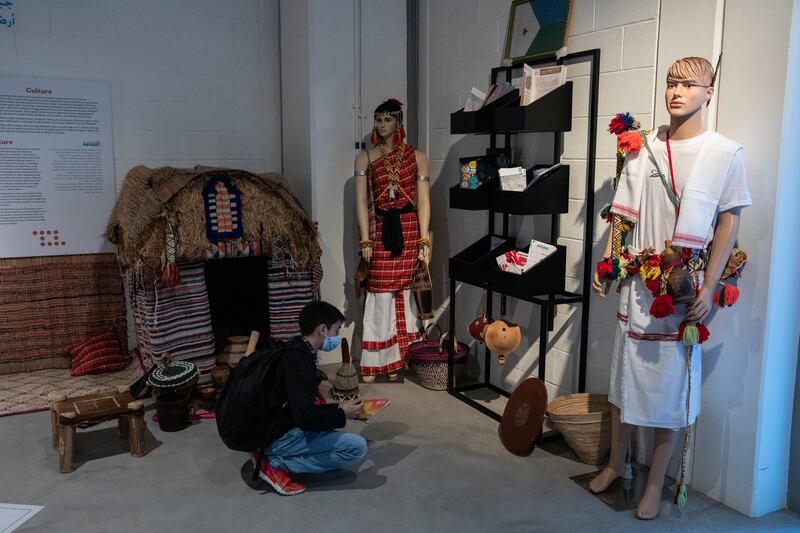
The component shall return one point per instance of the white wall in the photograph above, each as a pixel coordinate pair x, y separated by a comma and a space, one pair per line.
323, 120
192, 82
757, 357
461, 40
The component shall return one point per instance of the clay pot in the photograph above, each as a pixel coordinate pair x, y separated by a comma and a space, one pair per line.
477, 326
502, 338
220, 374
233, 351
680, 286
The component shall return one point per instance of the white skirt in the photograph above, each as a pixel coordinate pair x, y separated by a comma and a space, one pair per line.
385, 339
649, 378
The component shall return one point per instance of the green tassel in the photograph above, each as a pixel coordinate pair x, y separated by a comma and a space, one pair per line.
690, 334
682, 495
615, 268
604, 212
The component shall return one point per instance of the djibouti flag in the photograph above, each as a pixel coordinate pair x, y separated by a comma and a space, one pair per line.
538, 28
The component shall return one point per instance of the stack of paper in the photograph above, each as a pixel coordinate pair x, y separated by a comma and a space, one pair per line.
513, 179
537, 82
518, 262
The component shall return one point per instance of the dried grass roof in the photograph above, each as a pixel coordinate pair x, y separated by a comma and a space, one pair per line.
148, 197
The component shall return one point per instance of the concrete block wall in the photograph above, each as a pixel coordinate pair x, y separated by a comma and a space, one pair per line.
460, 42
192, 82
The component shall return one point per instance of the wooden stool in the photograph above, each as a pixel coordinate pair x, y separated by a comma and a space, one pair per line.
85, 411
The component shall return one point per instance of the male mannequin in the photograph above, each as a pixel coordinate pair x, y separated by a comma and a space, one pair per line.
662, 196
393, 210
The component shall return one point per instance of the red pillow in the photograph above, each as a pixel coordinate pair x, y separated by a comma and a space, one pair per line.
97, 355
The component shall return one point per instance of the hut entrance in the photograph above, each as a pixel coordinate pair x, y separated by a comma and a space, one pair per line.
238, 294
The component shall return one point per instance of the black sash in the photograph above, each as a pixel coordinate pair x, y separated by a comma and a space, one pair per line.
392, 231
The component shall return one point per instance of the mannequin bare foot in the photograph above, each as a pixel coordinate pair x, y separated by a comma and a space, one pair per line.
393, 377
368, 379
605, 478
650, 502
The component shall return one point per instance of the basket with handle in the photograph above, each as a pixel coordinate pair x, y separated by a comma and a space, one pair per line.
585, 422
427, 358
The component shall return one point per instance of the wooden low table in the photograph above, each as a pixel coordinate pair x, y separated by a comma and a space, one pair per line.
85, 411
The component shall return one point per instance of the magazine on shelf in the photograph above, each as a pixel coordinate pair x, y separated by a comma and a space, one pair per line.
537, 82
540, 173
475, 100
501, 88
513, 179
519, 262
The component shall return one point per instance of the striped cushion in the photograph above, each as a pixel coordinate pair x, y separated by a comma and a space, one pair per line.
97, 355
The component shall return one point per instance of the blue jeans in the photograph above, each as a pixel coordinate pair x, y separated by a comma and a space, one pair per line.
314, 452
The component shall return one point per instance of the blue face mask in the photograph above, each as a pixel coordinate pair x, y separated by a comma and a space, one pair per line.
331, 343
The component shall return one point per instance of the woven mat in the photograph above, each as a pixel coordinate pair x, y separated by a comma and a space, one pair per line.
47, 303
28, 392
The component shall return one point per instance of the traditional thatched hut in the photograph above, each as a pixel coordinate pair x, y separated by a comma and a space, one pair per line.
169, 222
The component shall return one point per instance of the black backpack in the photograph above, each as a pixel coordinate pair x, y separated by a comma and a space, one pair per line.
243, 410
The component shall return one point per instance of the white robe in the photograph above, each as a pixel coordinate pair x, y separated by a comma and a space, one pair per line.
649, 379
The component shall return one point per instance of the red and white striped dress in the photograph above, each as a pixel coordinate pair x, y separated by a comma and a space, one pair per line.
390, 317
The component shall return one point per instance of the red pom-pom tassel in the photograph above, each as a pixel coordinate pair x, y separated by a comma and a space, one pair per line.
703, 333
653, 285
604, 269
630, 141
662, 306
727, 295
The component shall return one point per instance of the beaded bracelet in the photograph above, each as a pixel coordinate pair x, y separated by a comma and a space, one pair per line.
424, 242
367, 243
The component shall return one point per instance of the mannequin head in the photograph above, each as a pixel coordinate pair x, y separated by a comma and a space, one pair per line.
388, 128
689, 86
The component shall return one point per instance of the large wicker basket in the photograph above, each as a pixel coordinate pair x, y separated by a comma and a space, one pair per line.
585, 421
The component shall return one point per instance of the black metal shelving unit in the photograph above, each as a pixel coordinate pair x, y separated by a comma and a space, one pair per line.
544, 284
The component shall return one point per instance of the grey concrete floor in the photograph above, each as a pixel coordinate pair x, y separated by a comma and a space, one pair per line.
434, 464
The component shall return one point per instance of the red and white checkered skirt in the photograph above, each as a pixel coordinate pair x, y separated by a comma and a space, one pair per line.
390, 316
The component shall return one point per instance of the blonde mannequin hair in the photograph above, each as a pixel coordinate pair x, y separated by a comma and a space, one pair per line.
697, 68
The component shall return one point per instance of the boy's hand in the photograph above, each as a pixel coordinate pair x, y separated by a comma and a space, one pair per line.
351, 407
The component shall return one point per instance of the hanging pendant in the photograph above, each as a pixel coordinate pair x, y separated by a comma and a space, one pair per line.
391, 191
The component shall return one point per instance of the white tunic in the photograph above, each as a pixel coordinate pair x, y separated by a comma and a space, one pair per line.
648, 379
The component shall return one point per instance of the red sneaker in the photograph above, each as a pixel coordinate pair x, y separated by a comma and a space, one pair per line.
278, 479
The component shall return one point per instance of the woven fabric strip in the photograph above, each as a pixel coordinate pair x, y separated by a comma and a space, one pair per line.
289, 291
176, 319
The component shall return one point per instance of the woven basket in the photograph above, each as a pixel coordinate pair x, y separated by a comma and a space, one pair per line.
434, 375
427, 358
585, 421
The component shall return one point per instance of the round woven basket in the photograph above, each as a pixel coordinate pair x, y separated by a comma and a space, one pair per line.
433, 376
585, 421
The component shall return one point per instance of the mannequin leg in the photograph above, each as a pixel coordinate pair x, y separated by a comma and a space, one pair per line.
620, 438
663, 446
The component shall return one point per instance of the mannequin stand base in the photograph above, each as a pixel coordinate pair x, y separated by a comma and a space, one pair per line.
623, 494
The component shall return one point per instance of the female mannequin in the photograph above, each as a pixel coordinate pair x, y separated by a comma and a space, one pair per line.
393, 210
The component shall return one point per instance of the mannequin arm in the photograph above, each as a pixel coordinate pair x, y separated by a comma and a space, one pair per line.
423, 204
362, 209
724, 238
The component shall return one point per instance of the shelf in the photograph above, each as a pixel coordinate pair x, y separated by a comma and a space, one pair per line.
551, 112
472, 199
473, 264
482, 120
549, 196
545, 278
